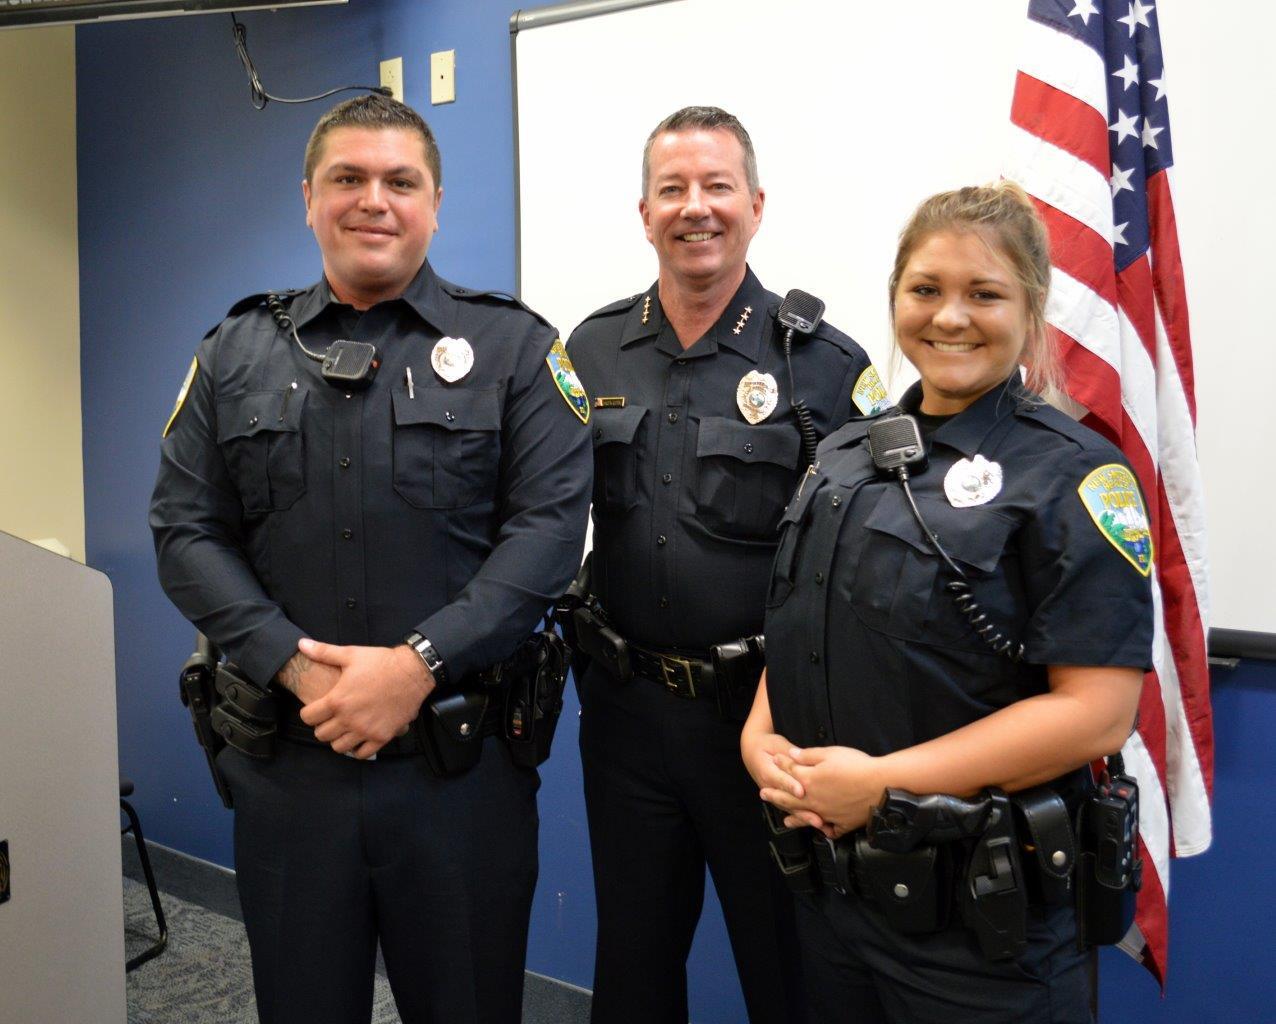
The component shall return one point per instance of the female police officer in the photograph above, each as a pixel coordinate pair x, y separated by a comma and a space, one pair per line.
877, 678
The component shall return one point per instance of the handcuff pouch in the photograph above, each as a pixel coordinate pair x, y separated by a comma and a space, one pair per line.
450, 731
908, 889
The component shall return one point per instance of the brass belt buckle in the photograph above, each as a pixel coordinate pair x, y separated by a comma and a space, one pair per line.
673, 679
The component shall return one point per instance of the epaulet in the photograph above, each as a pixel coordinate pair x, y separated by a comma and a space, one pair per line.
619, 306
827, 332
1061, 423
472, 294
853, 431
252, 302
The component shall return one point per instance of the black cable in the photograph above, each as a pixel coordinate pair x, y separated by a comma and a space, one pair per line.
806, 425
260, 97
960, 589
281, 317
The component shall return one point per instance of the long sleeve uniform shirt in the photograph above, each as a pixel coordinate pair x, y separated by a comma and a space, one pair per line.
687, 492
286, 507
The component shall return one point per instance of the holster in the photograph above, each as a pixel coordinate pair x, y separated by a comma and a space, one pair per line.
910, 889
536, 675
599, 642
244, 714
197, 692
450, 731
993, 897
737, 667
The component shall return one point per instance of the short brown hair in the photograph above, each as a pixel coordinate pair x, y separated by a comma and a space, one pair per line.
709, 119
1005, 217
373, 111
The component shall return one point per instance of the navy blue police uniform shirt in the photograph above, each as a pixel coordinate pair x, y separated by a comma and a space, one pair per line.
866, 649
687, 493
286, 507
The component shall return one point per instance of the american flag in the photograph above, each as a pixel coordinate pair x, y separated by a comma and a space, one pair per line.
1091, 145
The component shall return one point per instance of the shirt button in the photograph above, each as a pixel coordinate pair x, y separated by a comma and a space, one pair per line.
347, 534
344, 462
253, 422
662, 540
815, 658
450, 416
350, 394
819, 577
351, 602
667, 478
821, 733
837, 501
664, 602
598, 434
673, 417
748, 449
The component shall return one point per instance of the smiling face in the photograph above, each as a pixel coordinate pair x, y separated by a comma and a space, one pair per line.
373, 206
698, 211
961, 318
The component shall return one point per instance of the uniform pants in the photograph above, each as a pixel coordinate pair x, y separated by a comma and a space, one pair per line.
858, 969
332, 854
666, 792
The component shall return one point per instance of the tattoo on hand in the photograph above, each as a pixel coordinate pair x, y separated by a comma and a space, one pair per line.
290, 675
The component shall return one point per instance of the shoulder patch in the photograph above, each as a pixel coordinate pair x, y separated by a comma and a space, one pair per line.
565, 379
869, 393
1111, 495
181, 395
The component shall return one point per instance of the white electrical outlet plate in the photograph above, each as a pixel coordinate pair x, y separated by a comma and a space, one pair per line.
443, 76
392, 76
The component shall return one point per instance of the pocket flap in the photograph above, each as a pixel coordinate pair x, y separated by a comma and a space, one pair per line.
450, 408
617, 426
975, 536
776, 444
255, 412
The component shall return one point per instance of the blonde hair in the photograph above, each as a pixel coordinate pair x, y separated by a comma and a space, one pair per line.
1003, 215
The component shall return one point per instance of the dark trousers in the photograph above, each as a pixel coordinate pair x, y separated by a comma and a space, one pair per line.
333, 854
666, 794
860, 970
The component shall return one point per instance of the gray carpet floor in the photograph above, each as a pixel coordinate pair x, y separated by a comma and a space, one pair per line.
203, 977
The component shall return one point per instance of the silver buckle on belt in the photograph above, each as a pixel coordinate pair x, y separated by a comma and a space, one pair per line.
675, 671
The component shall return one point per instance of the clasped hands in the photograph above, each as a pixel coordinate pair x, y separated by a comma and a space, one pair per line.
832, 789
357, 698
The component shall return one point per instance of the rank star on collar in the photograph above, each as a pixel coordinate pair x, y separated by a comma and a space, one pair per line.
744, 319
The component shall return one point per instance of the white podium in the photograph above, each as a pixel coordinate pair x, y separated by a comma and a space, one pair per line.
62, 928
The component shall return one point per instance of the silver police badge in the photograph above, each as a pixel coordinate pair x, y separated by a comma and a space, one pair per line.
972, 482
452, 358
756, 396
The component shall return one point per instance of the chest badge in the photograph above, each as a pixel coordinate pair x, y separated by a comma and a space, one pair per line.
756, 396
452, 358
972, 482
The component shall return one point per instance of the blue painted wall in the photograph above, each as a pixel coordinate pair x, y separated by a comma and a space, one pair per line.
190, 199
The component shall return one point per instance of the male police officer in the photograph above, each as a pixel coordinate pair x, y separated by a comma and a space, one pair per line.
419, 524
697, 449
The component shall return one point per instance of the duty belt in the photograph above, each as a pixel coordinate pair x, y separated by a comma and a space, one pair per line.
684, 677
292, 728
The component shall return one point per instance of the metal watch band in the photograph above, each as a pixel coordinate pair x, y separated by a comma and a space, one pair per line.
429, 656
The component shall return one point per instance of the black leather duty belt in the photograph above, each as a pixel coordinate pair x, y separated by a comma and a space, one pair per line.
684, 677
410, 743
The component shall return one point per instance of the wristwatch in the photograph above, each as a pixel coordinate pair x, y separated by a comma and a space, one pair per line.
429, 656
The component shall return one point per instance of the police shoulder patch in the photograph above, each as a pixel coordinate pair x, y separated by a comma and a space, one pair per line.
565, 379
181, 395
869, 393
1111, 495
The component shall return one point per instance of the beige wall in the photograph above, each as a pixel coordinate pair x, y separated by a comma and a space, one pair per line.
41, 468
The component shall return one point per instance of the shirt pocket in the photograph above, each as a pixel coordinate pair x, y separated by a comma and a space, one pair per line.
260, 436
447, 445
745, 474
900, 581
616, 457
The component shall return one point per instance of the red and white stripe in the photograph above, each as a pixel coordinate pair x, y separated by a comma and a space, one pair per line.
1127, 355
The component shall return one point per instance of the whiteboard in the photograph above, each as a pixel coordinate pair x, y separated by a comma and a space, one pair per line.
857, 111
